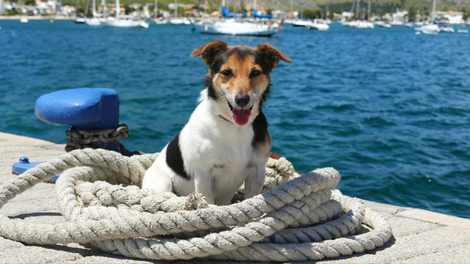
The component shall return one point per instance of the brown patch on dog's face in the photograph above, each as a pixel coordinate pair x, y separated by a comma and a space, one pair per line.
240, 74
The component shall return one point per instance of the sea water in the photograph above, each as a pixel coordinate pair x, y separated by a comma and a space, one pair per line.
389, 109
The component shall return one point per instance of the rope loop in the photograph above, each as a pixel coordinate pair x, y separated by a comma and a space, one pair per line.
296, 218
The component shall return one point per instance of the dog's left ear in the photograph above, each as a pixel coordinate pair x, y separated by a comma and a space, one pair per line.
273, 54
210, 51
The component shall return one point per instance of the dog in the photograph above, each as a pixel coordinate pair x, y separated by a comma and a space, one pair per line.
226, 141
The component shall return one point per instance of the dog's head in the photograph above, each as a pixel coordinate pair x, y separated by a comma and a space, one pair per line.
238, 79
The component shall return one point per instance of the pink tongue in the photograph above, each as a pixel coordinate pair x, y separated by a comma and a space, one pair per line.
241, 116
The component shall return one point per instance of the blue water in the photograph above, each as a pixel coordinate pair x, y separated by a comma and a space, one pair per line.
390, 110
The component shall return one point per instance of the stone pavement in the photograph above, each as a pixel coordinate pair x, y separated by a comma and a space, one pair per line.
419, 236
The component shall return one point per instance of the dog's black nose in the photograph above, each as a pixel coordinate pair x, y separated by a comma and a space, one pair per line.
242, 100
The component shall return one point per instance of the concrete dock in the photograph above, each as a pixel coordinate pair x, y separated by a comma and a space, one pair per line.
419, 236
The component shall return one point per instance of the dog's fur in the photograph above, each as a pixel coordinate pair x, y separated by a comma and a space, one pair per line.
226, 140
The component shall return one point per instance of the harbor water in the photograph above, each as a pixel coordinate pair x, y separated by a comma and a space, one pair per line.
389, 109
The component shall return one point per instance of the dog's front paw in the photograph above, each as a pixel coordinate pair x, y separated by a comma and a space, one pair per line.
195, 201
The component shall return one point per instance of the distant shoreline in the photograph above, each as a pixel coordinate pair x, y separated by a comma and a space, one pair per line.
36, 17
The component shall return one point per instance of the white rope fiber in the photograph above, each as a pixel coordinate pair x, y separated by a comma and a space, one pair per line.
296, 217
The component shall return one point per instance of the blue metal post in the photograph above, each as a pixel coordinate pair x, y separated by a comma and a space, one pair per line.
84, 108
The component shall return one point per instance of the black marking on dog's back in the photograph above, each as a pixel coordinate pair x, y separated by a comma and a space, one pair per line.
260, 129
174, 159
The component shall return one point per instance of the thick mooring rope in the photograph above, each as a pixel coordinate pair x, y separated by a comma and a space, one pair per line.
295, 218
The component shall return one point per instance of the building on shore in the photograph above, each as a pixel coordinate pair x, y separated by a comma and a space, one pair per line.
449, 17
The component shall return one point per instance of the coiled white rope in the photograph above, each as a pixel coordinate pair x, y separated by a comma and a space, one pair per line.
294, 219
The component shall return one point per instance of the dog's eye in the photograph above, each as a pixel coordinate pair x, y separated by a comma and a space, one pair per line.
255, 73
227, 72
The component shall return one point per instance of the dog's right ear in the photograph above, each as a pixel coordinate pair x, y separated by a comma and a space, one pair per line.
210, 51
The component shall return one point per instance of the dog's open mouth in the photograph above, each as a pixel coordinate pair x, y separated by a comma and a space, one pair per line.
240, 115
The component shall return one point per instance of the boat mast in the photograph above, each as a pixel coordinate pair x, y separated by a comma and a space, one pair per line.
357, 10
86, 8
433, 10
118, 9
155, 9
103, 7
176, 8
94, 8
327, 9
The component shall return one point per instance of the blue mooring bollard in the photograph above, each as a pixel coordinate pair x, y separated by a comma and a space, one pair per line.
86, 109
93, 114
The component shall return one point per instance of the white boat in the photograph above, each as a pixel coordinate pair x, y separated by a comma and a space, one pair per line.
93, 21
431, 29
179, 21
383, 24
301, 23
237, 28
361, 24
96, 19
24, 20
80, 20
123, 22
160, 20
318, 24
446, 29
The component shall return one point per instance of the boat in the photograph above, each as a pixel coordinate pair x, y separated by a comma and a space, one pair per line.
430, 29
383, 24
446, 29
230, 26
123, 22
80, 20
301, 23
318, 24
179, 21
360, 24
93, 21
237, 28
364, 24
24, 20
158, 19
409, 24
435, 27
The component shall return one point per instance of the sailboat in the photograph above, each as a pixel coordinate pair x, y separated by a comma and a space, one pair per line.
178, 20
97, 18
156, 18
122, 22
365, 24
318, 24
230, 26
430, 29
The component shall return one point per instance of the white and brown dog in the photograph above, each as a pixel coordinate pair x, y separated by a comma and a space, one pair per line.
226, 140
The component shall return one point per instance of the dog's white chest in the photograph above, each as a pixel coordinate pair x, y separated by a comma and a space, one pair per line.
217, 151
